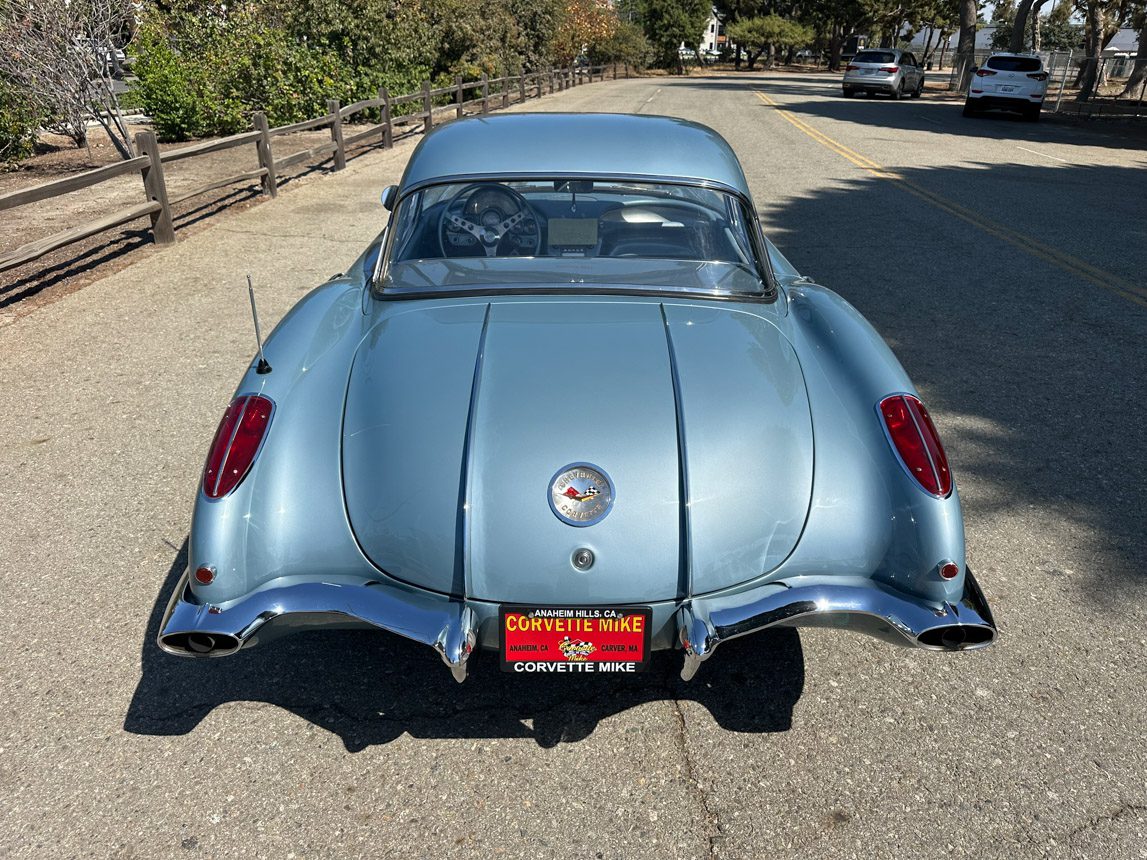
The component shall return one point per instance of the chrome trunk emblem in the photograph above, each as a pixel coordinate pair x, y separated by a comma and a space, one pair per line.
580, 494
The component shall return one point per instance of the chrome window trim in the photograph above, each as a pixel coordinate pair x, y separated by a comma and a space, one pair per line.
768, 294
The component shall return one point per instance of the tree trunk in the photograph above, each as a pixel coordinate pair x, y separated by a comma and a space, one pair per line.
1139, 71
1095, 37
736, 56
1035, 25
1092, 46
966, 48
1019, 26
835, 46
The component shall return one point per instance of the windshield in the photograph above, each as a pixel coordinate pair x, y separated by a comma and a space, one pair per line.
875, 57
1014, 64
572, 231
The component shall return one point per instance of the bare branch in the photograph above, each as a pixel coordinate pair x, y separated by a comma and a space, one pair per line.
55, 53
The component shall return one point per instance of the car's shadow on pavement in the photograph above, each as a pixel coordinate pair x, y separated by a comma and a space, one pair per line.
372, 687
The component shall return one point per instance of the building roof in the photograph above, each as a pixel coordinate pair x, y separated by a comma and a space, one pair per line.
561, 145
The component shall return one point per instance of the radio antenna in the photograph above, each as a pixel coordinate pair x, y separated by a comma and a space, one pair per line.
263, 366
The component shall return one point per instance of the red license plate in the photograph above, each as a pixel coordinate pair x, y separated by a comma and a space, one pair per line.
575, 639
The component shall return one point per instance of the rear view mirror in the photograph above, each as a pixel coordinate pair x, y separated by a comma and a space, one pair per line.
388, 195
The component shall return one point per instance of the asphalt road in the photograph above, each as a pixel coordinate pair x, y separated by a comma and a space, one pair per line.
1002, 261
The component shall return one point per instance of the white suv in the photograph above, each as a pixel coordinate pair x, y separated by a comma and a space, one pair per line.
1009, 82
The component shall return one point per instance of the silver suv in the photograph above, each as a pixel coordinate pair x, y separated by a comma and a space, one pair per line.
884, 70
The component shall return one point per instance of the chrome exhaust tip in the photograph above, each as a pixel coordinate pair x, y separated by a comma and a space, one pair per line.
957, 637
195, 643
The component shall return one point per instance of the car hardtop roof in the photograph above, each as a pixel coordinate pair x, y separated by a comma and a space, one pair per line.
574, 145
1027, 54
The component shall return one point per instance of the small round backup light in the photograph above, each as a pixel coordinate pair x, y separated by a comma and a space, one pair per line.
205, 575
949, 570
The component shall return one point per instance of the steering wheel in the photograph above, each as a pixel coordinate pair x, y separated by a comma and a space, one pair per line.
489, 218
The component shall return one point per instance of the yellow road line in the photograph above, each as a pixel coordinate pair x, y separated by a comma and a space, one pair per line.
1066, 262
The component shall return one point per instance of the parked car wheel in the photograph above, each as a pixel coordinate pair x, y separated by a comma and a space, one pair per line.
970, 109
848, 93
1031, 113
898, 93
919, 91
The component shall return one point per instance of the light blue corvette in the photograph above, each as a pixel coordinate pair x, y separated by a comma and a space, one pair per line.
573, 407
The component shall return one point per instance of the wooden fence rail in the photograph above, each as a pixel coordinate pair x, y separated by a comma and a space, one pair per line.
435, 106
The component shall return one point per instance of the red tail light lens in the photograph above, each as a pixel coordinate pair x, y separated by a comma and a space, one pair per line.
236, 443
913, 435
983, 73
851, 68
891, 70
1038, 76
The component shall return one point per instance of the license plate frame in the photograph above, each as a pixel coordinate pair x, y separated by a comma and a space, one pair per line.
597, 639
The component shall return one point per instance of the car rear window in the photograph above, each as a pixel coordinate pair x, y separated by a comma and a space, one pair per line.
1014, 64
874, 57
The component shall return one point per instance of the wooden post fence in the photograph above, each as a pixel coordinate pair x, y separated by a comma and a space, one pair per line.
266, 160
149, 164
333, 109
387, 125
162, 229
427, 105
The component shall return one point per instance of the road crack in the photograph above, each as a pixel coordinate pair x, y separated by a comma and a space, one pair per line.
1097, 821
714, 829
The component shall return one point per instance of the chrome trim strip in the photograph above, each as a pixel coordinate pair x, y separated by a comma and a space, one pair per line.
685, 543
548, 176
461, 580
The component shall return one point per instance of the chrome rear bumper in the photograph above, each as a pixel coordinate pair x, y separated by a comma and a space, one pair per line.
453, 627
869, 608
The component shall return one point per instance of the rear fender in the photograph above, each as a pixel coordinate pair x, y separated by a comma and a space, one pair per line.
287, 517
868, 516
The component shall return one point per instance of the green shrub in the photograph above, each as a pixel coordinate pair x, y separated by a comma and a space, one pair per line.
167, 89
18, 124
203, 75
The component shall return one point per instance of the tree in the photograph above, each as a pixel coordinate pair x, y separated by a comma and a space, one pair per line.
1139, 71
585, 24
1102, 20
671, 23
1053, 32
966, 47
834, 21
55, 54
627, 44
768, 33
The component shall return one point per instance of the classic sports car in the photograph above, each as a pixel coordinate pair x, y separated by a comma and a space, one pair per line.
572, 406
